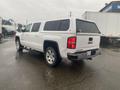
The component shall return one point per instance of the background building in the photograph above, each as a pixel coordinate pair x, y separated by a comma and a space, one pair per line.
114, 6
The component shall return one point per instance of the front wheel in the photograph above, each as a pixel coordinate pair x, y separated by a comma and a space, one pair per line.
52, 57
19, 47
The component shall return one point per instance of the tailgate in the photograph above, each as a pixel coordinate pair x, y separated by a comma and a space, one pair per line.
87, 42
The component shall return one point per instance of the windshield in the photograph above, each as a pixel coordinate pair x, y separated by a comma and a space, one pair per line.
86, 27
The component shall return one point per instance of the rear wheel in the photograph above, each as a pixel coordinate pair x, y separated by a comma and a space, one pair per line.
19, 47
52, 57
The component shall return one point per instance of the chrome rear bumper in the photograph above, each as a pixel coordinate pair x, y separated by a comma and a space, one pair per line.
84, 55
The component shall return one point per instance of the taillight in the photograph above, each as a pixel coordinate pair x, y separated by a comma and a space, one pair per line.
71, 42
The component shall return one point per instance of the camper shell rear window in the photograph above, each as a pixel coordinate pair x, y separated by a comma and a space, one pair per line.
86, 27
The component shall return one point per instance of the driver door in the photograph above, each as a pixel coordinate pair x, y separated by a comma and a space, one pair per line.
25, 37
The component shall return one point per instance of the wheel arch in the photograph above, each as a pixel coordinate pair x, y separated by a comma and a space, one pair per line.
53, 44
17, 38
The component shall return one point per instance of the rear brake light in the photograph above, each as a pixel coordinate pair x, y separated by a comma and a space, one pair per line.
71, 42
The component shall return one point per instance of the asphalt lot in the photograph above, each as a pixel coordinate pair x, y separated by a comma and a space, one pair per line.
28, 71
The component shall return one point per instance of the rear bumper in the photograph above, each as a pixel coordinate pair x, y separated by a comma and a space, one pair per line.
84, 55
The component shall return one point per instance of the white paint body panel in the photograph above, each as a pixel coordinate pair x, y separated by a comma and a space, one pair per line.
83, 42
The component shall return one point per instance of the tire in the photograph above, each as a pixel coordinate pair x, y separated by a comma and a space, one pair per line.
19, 47
52, 57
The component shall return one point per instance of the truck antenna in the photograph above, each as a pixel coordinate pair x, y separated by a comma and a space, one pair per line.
70, 13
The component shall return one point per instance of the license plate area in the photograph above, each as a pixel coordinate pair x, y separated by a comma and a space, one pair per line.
93, 52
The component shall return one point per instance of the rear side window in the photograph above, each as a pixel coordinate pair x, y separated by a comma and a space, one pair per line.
86, 27
64, 25
35, 27
58, 25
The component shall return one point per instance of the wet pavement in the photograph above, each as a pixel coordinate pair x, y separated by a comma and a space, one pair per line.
29, 71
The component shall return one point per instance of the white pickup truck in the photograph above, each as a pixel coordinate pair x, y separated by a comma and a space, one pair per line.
72, 39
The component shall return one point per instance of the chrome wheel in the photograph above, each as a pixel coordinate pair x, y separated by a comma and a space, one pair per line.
50, 56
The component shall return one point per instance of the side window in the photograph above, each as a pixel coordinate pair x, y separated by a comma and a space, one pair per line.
64, 25
28, 27
52, 25
58, 25
35, 27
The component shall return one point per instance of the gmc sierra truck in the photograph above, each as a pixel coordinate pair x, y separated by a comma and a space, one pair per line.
70, 38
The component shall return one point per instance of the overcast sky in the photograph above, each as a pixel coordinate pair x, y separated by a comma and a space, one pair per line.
22, 10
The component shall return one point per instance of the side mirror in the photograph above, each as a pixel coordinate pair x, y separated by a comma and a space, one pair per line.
23, 30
